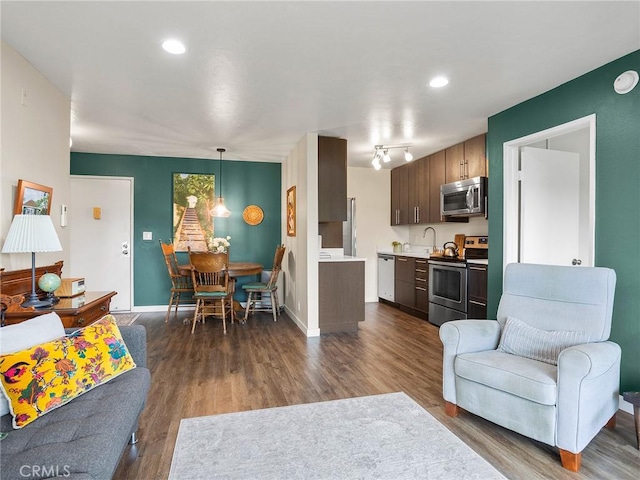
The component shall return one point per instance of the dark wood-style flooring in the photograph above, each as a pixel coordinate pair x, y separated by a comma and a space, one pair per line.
265, 364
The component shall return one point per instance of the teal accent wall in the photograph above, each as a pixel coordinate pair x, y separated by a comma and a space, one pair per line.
617, 187
244, 183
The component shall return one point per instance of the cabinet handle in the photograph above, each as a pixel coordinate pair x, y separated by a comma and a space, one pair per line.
466, 169
418, 216
421, 279
103, 308
80, 321
421, 289
401, 259
419, 260
480, 269
478, 303
420, 270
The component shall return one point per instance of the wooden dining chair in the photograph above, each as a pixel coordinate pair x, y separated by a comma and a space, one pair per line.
180, 284
256, 291
213, 290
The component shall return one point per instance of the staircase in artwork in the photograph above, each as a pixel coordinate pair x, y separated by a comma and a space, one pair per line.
190, 232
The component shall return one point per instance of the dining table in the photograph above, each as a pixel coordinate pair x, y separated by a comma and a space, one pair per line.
236, 269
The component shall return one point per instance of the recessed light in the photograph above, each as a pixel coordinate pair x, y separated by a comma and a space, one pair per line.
174, 46
438, 82
626, 82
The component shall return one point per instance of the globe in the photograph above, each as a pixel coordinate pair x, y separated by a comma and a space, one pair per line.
49, 282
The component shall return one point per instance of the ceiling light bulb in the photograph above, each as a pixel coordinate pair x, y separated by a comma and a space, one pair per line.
174, 46
438, 82
386, 158
377, 165
407, 155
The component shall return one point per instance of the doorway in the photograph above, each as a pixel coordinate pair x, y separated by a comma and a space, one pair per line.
101, 230
536, 229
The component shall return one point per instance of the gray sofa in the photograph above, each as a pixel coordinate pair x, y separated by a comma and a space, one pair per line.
85, 438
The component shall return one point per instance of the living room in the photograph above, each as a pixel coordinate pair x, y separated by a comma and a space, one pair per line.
35, 147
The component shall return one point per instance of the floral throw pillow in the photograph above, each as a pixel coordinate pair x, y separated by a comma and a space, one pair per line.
46, 376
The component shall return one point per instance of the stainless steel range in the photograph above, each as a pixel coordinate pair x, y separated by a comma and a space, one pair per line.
448, 282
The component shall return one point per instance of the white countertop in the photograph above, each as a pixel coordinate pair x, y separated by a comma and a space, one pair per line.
417, 254
341, 258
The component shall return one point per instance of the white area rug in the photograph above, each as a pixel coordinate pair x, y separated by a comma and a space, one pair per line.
381, 436
124, 319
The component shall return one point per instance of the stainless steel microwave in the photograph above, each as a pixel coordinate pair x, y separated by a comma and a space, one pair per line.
464, 198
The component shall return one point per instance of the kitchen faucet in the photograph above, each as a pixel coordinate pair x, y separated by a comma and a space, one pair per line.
424, 234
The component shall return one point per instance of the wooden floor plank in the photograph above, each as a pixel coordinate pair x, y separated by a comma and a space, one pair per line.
265, 364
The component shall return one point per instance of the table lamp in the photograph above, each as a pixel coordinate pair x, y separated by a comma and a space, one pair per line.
31, 234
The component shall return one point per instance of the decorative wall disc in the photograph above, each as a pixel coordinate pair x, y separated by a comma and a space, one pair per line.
253, 215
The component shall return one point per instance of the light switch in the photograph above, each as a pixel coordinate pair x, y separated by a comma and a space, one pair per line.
147, 235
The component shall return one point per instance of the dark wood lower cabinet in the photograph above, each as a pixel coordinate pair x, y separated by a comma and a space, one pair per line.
341, 288
476, 291
422, 285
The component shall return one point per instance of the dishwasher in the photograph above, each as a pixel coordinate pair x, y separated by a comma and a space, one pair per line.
386, 277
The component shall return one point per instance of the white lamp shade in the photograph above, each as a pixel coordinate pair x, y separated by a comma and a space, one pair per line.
30, 234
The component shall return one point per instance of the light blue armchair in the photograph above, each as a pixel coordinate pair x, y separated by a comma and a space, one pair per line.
504, 370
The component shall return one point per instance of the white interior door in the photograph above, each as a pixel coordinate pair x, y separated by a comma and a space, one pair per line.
101, 248
542, 238
549, 207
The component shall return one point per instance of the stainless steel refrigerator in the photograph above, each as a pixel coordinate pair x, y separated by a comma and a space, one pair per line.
349, 229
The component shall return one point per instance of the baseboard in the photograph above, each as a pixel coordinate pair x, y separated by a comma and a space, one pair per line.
313, 332
625, 406
160, 308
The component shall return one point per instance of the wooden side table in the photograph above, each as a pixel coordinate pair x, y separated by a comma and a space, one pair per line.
634, 399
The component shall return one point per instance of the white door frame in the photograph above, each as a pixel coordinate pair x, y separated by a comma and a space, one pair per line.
131, 229
511, 205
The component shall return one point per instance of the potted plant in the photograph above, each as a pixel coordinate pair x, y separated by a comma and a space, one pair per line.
397, 247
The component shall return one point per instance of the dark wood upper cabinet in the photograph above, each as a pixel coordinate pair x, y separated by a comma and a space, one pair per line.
454, 162
475, 157
436, 178
400, 195
332, 179
467, 159
419, 191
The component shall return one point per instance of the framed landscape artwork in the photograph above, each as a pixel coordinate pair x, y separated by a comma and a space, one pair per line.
32, 199
291, 212
193, 199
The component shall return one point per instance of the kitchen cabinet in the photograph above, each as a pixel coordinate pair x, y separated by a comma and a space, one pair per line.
436, 178
332, 179
405, 281
475, 157
466, 160
400, 195
476, 291
422, 285
419, 191
341, 300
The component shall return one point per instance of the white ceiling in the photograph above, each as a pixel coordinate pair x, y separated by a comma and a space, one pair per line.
258, 75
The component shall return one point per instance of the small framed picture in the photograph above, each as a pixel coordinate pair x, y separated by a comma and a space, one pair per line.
291, 212
32, 199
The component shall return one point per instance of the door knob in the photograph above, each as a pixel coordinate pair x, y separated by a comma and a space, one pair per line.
576, 261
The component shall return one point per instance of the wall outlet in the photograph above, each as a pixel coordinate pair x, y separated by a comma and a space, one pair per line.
298, 306
147, 235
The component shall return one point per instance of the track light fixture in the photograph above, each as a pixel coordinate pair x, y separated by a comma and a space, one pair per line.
381, 153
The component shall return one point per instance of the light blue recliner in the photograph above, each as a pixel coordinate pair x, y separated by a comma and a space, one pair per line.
503, 370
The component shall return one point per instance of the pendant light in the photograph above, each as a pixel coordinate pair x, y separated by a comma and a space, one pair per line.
219, 210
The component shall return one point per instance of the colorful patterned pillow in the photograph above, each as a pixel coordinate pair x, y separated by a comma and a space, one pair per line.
46, 376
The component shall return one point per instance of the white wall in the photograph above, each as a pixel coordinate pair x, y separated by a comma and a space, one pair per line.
34, 146
301, 259
372, 191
